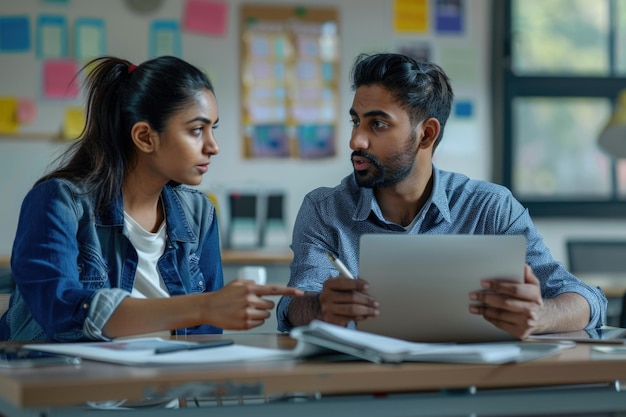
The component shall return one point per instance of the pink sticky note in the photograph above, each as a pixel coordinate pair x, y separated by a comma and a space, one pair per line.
59, 78
206, 17
26, 110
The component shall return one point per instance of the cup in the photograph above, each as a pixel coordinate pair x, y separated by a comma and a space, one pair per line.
257, 274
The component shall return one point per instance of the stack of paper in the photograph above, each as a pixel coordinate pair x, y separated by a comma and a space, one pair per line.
381, 349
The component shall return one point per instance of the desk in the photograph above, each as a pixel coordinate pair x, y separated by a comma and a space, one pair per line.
231, 256
256, 256
547, 386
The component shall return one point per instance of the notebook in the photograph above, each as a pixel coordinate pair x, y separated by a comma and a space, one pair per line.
422, 283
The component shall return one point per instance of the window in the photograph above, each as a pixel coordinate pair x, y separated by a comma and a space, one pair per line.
559, 66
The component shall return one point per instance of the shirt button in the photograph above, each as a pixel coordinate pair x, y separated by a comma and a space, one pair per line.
200, 283
85, 306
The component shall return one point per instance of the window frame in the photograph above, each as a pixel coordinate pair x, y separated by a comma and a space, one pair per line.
507, 86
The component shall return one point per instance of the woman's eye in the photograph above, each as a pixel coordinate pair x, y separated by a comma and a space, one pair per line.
196, 131
378, 124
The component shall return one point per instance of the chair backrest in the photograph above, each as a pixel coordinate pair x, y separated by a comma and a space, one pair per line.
4, 303
596, 256
601, 256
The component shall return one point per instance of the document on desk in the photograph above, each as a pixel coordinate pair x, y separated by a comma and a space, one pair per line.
317, 340
318, 337
159, 351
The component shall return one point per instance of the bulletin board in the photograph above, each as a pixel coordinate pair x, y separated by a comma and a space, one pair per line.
289, 69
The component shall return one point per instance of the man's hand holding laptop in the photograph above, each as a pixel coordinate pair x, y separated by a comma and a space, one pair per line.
519, 309
344, 299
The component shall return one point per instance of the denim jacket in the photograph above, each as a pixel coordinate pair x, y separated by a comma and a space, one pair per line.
72, 266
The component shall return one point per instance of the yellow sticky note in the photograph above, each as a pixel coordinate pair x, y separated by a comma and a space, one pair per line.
411, 15
74, 122
8, 115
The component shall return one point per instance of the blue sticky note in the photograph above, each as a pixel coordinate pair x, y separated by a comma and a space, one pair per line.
52, 37
89, 38
14, 34
165, 38
463, 109
449, 16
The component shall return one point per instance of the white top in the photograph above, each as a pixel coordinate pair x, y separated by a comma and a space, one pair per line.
150, 246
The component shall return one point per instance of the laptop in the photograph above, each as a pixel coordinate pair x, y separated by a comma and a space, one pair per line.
422, 283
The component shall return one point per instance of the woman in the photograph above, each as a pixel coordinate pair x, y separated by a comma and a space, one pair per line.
111, 243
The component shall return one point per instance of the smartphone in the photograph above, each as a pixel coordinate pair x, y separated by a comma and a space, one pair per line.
25, 358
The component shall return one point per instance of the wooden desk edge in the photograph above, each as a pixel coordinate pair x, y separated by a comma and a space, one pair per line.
229, 256
252, 256
61, 388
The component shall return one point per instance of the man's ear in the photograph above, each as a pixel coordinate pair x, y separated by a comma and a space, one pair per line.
430, 132
143, 137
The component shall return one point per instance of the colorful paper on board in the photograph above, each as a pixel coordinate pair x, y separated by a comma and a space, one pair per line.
89, 38
8, 115
165, 38
316, 141
205, 17
410, 15
59, 79
74, 122
26, 110
52, 37
270, 140
449, 16
14, 34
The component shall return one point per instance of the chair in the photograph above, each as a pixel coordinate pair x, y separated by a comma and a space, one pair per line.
602, 261
4, 303
7, 285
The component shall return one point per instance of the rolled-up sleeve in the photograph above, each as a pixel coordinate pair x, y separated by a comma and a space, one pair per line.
102, 306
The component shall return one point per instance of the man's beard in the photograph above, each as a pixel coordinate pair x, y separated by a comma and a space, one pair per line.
396, 169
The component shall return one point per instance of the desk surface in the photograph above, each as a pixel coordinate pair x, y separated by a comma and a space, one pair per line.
93, 381
231, 256
252, 256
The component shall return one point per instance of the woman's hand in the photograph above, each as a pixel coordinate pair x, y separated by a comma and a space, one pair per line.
240, 305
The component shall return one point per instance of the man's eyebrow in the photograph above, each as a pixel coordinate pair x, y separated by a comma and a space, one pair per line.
371, 113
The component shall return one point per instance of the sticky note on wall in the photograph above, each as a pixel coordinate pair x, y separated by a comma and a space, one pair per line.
205, 17
8, 115
26, 110
410, 15
74, 122
52, 36
165, 38
14, 34
89, 38
59, 79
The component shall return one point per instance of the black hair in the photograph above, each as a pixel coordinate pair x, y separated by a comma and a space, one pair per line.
120, 94
421, 87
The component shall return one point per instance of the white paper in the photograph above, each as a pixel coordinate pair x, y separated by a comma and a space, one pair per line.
141, 352
316, 338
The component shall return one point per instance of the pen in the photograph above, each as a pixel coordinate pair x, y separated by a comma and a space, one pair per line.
340, 266
202, 345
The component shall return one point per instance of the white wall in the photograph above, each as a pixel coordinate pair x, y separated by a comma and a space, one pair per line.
365, 26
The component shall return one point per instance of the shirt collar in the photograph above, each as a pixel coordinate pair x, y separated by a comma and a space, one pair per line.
367, 202
178, 227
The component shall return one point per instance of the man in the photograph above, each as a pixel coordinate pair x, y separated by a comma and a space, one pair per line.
399, 111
